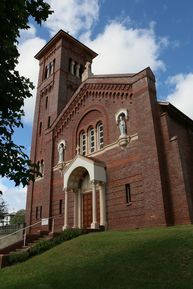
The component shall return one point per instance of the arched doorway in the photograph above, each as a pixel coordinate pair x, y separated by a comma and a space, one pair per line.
86, 180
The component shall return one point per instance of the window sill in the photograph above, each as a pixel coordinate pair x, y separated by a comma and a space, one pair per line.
38, 178
129, 204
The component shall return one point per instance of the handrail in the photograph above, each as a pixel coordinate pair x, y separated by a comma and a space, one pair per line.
20, 230
27, 227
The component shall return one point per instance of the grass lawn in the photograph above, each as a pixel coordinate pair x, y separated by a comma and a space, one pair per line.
140, 259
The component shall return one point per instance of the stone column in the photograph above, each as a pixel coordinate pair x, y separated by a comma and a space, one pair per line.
77, 70
72, 67
94, 224
103, 221
79, 209
75, 209
66, 210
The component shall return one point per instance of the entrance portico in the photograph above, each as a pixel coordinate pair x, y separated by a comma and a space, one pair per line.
86, 179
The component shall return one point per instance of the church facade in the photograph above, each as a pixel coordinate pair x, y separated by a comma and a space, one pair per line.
110, 155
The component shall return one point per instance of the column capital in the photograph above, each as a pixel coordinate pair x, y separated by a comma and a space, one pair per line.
102, 184
94, 182
75, 191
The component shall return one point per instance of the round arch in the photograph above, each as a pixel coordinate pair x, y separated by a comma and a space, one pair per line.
82, 164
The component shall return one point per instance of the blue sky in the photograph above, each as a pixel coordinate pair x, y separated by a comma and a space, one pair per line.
128, 36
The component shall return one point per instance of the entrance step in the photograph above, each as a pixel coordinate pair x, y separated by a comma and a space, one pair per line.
100, 229
18, 247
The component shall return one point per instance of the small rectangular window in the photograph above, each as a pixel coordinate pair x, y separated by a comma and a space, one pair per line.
40, 212
46, 103
53, 66
46, 71
40, 128
36, 213
49, 121
60, 206
128, 193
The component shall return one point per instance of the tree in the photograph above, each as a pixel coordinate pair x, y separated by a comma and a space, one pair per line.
3, 208
14, 89
19, 218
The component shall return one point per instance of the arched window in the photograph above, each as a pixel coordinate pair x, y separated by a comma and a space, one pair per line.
49, 69
81, 70
83, 143
100, 135
91, 140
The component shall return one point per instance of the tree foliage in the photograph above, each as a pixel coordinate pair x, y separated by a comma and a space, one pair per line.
19, 217
3, 207
14, 89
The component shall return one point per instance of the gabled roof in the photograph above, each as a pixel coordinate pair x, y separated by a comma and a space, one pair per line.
95, 169
62, 34
87, 159
113, 79
176, 113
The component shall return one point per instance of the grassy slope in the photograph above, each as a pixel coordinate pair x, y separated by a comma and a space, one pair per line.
142, 259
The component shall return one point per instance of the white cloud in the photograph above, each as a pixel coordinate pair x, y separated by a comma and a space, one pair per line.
28, 66
27, 34
182, 92
121, 48
75, 16
124, 49
15, 197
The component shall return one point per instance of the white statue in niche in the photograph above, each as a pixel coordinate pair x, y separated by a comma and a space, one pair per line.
122, 125
61, 153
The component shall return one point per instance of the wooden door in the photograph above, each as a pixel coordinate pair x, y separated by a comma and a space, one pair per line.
87, 209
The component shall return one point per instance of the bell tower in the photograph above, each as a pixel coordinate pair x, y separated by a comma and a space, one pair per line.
61, 64
62, 61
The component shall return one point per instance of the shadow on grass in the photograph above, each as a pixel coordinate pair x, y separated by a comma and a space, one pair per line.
113, 260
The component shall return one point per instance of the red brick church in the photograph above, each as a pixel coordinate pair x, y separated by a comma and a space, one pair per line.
110, 154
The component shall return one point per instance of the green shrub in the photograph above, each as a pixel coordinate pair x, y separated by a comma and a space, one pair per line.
40, 247
44, 245
17, 257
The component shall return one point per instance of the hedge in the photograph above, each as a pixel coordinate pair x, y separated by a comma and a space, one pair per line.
43, 246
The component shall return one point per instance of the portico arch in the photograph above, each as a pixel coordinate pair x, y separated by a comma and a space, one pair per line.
81, 175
